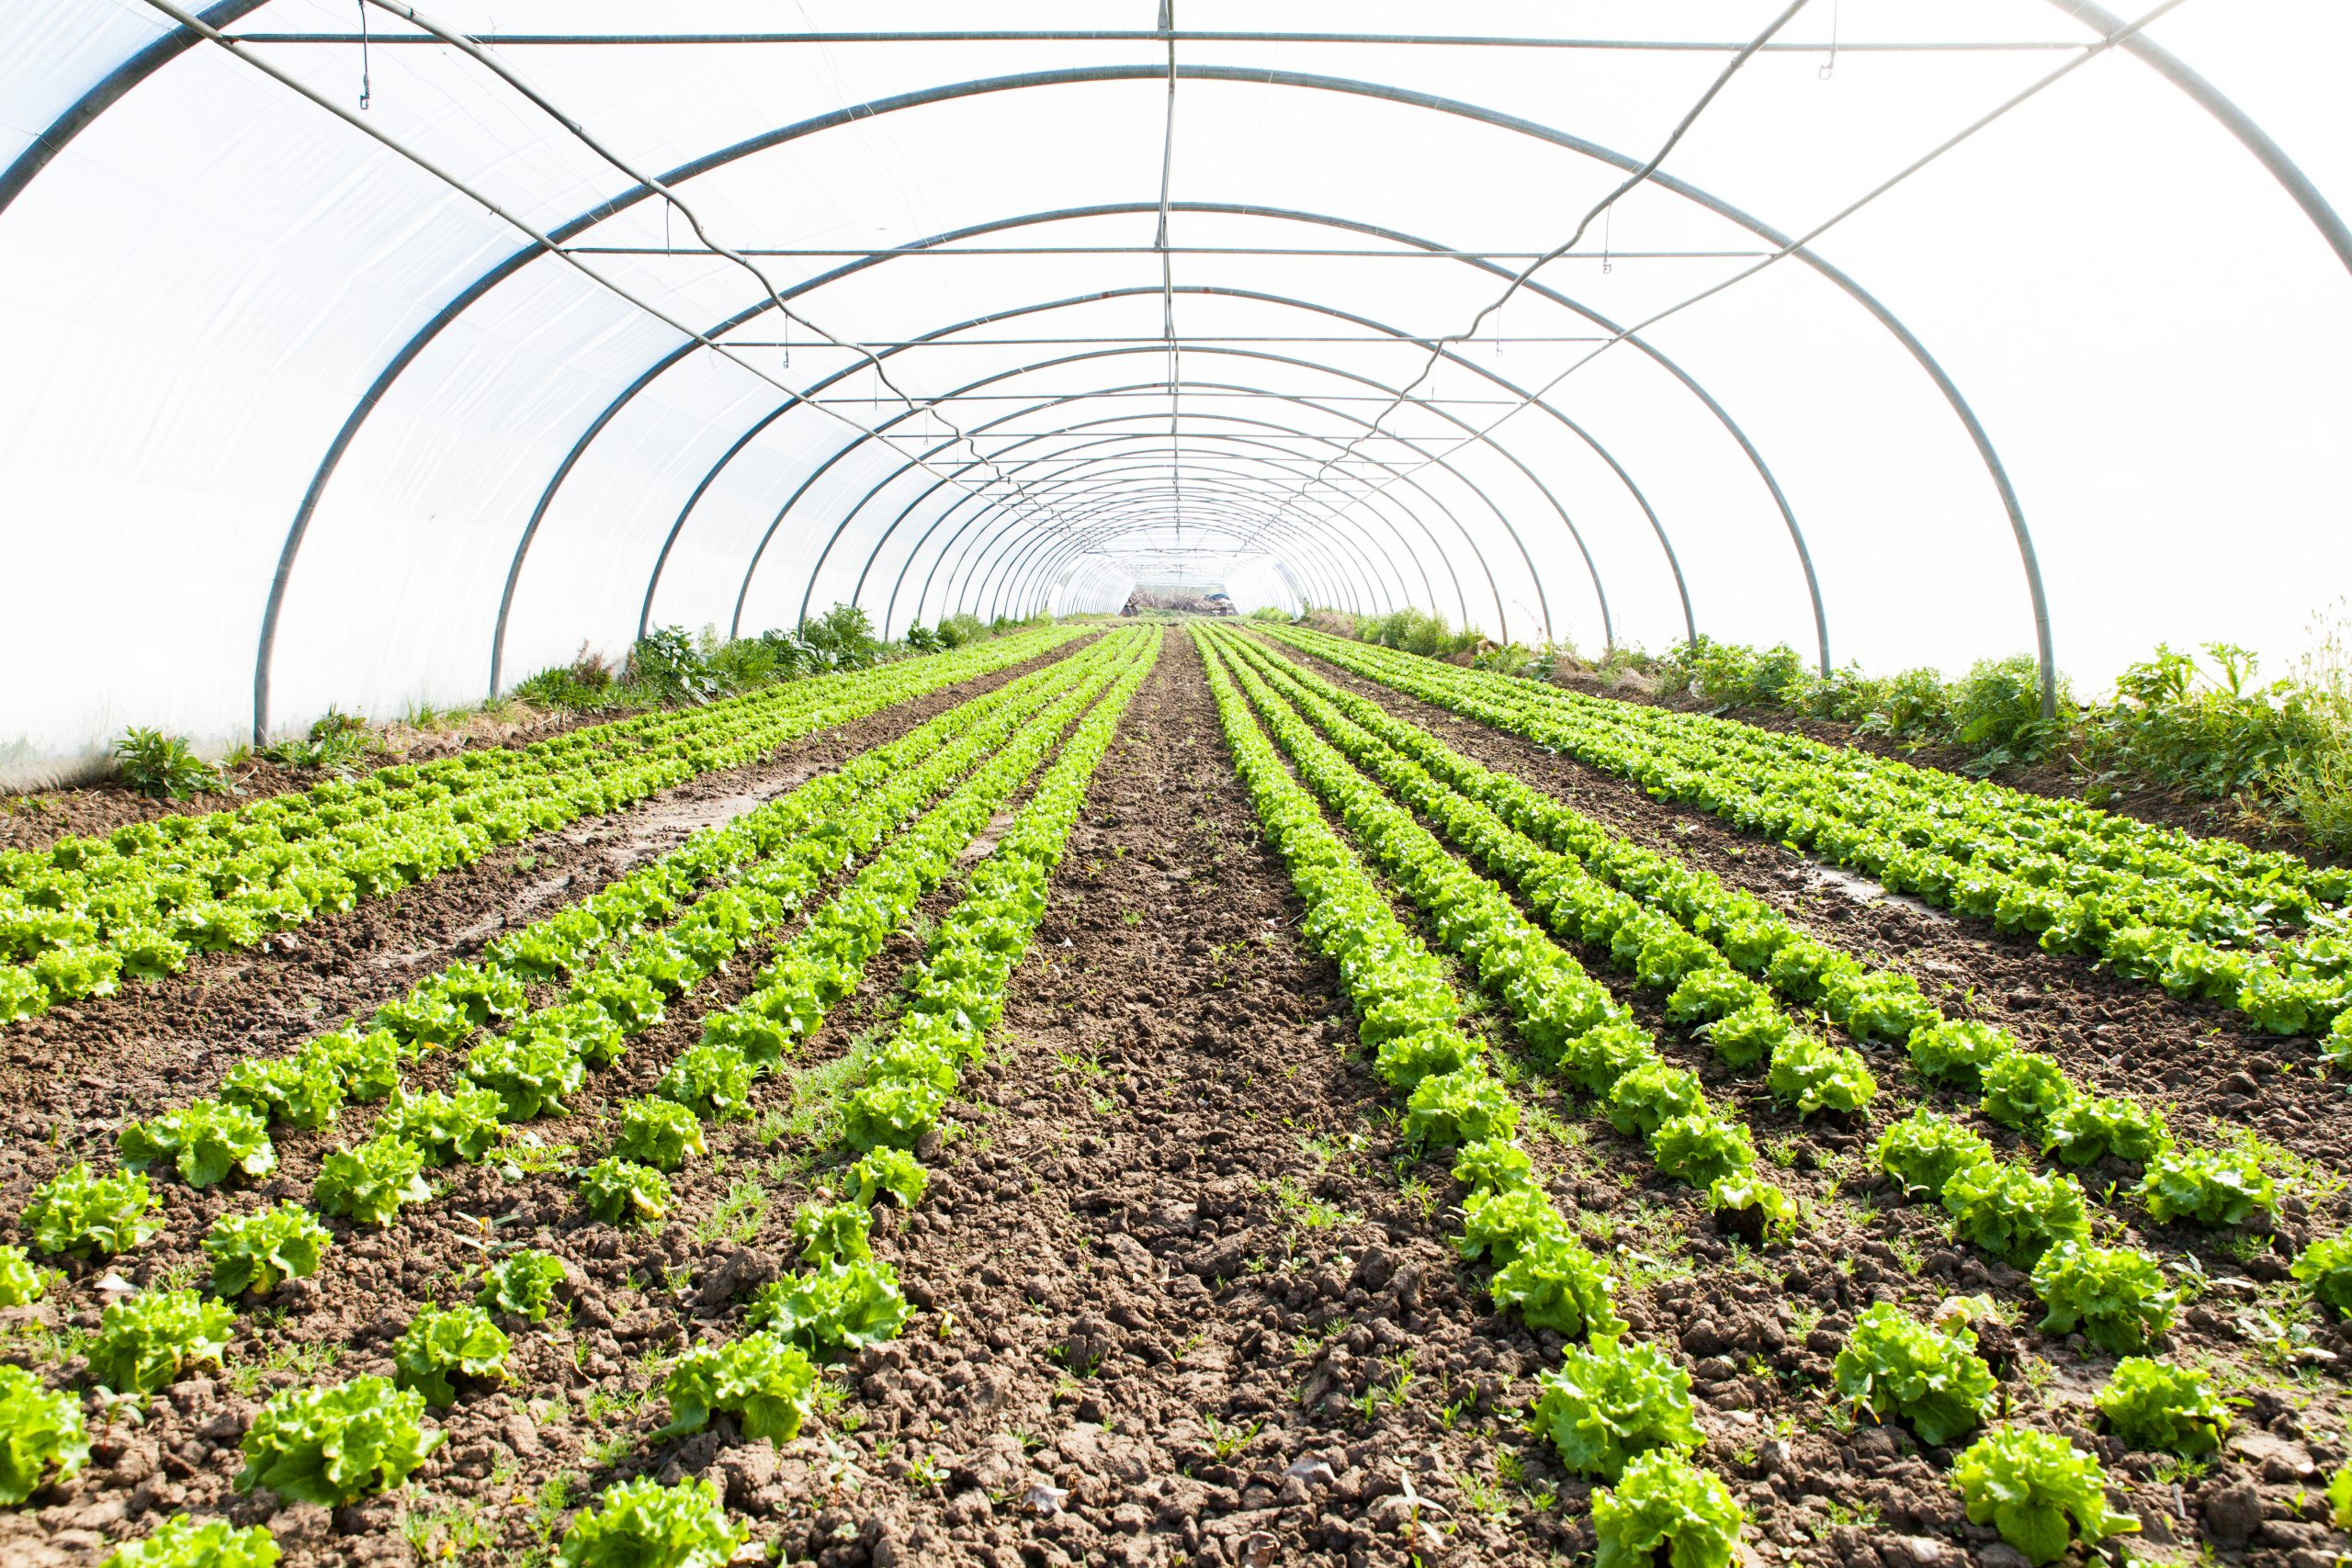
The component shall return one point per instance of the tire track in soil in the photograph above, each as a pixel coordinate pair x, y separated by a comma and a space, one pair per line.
156, 1044
1133, 1240
2119, 1036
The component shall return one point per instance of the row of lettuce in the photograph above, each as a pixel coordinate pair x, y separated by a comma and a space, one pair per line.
332, 1444
2258, 931
87, 914
2031, 1482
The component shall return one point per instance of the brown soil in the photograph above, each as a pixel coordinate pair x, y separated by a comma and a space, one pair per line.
155, 1044
1182, 1296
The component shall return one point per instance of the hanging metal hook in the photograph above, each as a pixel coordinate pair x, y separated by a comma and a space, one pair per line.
1829, 66
364, 92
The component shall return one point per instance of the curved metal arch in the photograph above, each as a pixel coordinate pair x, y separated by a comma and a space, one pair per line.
1051, 485
118, 83
1218, 438
1543, 599
1666, 544
1478, 553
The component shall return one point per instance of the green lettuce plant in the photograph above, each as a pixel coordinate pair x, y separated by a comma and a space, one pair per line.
2012, 1213
370, 1182
42, 1436
146, 1342
832, 1233
1460, 1107
1746, 1037
2086, 1128
440, 1341
2116, 1295
1925, 1150
78, 1213
889, 1172
1703, 1147
584, 1029
1957, 1051
659, 1133
2163, 1409
465, 1124
1494, 1165
621, 1192
1609, 1401
1812, 1074
367, 1062
643, 1524
890, 1115
2038, 1489
1663, 1503
712, 1081
1750, 1206
260, 1251
766, 1382
183, 1543
2025, 1089
2212, 1187
1554, 1284
2325, 1271
1651, 1094
1900, 1369
836, 1307
21, 1282
1496, 1226
522, 1282
530, 1076
206, 1142
296, 1091
336, 1444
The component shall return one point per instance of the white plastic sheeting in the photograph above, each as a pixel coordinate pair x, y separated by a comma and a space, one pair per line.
241, 338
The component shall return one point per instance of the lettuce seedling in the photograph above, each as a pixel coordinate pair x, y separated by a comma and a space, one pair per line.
1497, 1225
2163, 1409
643, 1524
768, 1384
370, 1182
182, 1543
1703, 1147
2116, 1295
2025, 1089
1751, 1207
2027, 1484
1665, 1504
1900, 1369
439, 1341
2089, 1128
2213, 1187
883, 1171
621, 1192
21, 1282
712, 1081
2326, 1271
461, 1125
659, 1133
75, 1211
260, 1251
336, 1444
206, 1142
146, 1343
890, 1115
522, 1282
530, 1076
1812, 1074
42, 1436
1460, 1107
298, 1092
832, 1233
2010, 1213
1957, 1051
1494, 1165
840, 1306
1610, 1401
1555, 1283
1651, 1095
367, 1063
1925, 1150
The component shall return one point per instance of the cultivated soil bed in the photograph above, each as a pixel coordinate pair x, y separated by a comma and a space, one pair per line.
1182, 1296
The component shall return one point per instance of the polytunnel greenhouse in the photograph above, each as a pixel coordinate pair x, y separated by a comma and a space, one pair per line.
1183, 784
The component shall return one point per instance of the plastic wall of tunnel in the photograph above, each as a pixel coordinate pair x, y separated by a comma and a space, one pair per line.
1942, 332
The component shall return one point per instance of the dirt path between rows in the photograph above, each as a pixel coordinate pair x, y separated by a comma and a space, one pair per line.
2123, 1036
154, 1045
